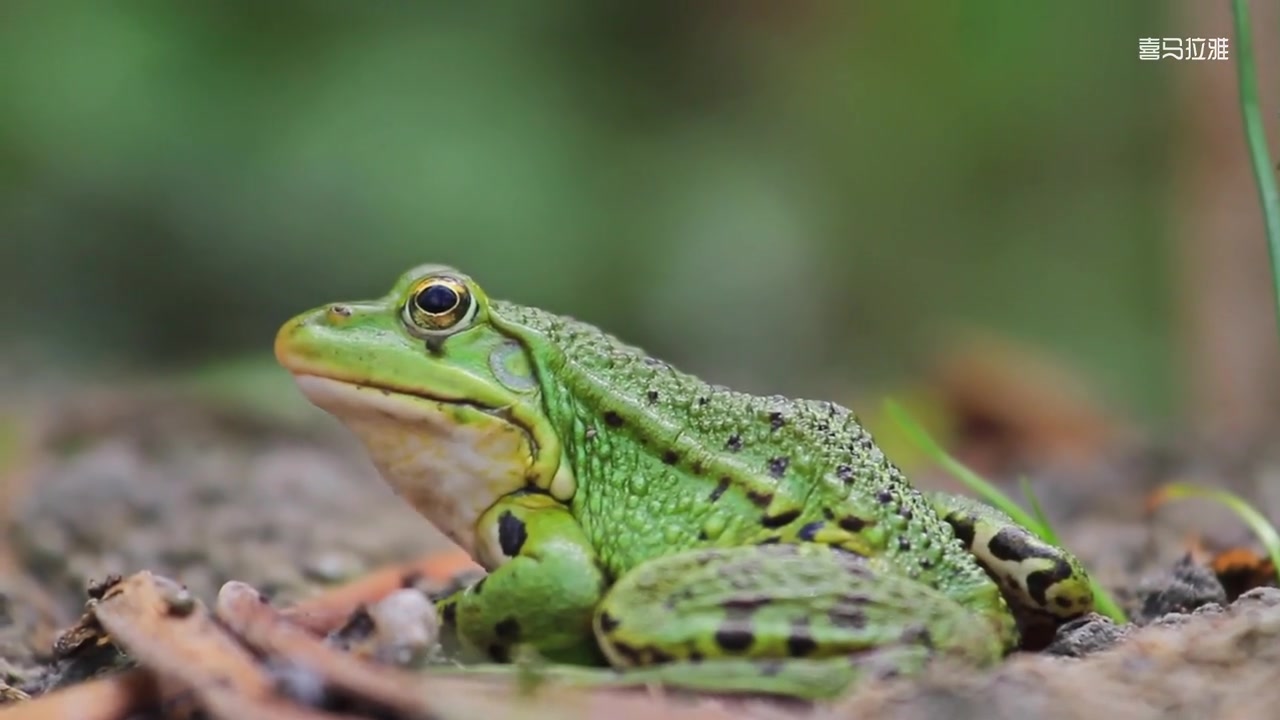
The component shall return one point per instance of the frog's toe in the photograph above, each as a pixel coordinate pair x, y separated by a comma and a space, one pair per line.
1033, 574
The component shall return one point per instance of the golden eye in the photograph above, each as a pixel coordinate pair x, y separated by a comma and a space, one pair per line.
439, 303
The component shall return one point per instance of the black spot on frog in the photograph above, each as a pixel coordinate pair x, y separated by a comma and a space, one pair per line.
810, 531
778, 466
720, 488
512, 534
783, 518
734, 638
507, 630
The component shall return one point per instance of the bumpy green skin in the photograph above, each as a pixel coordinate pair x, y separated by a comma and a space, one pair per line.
692, 534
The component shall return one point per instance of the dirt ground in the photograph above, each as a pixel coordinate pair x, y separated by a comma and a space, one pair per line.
204, 494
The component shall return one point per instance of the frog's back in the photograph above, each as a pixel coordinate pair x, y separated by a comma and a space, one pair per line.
665, 461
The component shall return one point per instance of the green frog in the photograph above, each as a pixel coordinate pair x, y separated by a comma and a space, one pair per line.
633, 517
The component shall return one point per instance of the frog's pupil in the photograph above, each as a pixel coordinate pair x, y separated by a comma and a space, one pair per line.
437, 299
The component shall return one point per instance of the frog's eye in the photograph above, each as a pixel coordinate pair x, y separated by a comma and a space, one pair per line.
439, 303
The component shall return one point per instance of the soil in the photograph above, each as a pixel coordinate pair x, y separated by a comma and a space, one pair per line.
203, 494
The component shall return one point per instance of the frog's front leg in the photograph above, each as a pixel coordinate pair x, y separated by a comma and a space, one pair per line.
1036, 577
543, 586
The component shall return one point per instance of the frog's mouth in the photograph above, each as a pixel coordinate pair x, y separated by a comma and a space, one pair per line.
450, 459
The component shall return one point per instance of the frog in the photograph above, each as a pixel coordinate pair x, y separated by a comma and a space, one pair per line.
635, 519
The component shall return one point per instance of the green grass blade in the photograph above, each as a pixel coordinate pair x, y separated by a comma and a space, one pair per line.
1050, 536
1255, 135
971, 479
1104, 604
1257, 522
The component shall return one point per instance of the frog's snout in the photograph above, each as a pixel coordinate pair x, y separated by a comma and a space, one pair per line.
303, 337
288, 344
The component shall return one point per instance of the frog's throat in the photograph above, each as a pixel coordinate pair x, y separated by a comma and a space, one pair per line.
450, 460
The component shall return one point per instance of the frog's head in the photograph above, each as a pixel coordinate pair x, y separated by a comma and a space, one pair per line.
447, 405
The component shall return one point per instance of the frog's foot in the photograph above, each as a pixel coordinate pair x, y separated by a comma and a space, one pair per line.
786, 619
812, 679
1034, 576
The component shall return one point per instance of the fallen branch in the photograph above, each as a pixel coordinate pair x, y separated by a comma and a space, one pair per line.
195, 660
271, 634
109, 698
117, 696
327, 612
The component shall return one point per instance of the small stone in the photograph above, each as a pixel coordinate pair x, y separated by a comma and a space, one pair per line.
180, 602
405, 627
1187, 586
1208, 609
1171, 620
332, 566
1086, 635
1260, 597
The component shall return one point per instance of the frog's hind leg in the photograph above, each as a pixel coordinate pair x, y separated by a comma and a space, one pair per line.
1034, 576
804, 678
795, 619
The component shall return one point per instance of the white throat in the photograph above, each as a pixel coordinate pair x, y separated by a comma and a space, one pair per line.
451, 462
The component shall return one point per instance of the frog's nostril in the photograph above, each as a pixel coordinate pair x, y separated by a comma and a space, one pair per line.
339, 311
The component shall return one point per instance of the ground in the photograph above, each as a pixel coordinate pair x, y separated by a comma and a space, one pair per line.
206, 493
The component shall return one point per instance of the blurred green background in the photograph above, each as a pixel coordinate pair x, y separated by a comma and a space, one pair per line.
790, 197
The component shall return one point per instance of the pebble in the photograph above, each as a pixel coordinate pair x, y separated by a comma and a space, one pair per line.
333, 566
405, 627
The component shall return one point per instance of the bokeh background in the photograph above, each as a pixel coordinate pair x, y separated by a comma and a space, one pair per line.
805, 197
